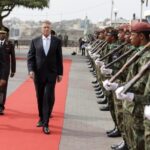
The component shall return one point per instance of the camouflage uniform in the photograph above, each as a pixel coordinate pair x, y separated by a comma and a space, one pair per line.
109, 93
118, 103
132, 112
145, 100
147, 133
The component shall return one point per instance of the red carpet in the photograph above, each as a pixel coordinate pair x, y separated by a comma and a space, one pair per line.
18, 129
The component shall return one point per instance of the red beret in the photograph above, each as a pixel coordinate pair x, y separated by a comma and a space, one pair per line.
140, 27
124, 27
101, 30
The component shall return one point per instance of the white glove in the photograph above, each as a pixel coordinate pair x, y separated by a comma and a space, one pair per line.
97, 59
110, 86
106, 71
89, 52
147, 112
99, 63
124, 96
88, 47
94, 56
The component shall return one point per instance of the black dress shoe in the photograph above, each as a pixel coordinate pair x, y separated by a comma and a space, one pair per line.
104, 108
114, 146
94, 73
122, 146
1, 111
101, 96
115, 133
94, 82
39, 124
46, 130
99, 93
102, 101
90, 67
96, 86
98, 89
92, 70
89, 64
109, 131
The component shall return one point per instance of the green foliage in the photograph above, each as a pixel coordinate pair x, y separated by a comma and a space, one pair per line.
26, 3
6, 6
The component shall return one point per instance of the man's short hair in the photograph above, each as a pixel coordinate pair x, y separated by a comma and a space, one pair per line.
46, 22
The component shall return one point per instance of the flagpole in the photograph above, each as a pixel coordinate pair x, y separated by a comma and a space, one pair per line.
141, 13
112, 7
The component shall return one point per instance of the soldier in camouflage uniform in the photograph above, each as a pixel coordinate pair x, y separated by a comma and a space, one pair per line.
145, 101
132, 111
123, 36
112, 39
147, 133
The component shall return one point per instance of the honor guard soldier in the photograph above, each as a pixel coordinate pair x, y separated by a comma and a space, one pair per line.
133, 112
3, 70
10, 61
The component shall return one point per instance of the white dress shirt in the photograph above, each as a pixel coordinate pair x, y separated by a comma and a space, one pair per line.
46, 43
2, 42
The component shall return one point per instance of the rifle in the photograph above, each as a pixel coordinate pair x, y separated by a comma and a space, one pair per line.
103, 46
142, 71
113, 51
119, 58
130, 61
99, 46
95, 43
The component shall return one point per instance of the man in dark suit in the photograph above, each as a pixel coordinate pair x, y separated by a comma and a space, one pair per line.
10, 58
2, 65
45, 66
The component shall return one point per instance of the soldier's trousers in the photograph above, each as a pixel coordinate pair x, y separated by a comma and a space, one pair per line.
118, 107
98, 74
118, 112
134, 131
147, 134
110, 101
111, 104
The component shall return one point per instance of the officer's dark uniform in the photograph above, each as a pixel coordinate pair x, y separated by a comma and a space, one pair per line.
10, 61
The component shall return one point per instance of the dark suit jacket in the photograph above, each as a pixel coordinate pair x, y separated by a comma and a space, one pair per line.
45, 66
3, 64
10, 57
